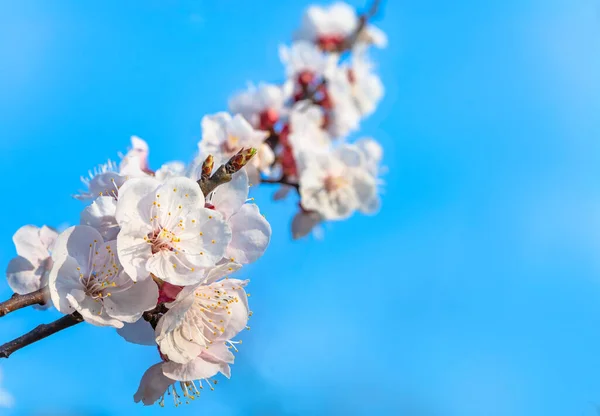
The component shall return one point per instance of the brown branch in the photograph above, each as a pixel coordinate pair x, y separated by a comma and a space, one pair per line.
16, 302
224, 173
281, 181
153, 316
39, 333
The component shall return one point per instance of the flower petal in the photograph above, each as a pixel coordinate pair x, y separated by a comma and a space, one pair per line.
229, 197
101, 216
139, 332
153, 385
135, 201
251, 234
129, 304
197, 369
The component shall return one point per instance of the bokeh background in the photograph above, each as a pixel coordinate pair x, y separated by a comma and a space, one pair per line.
475, 291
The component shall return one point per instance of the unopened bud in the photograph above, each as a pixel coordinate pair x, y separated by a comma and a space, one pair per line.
208, 165
240, 159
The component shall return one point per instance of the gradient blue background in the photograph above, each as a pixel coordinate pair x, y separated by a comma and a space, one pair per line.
475, 291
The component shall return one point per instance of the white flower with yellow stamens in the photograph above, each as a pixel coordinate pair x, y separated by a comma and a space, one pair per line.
167, 231
87, 277
203, 315
330, 26
336, 184
223, 136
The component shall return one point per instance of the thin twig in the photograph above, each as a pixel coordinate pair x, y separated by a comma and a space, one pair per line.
362, 23
281, 181
39, 333
16, 302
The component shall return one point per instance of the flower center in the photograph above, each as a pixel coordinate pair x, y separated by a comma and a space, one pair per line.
333, 183
162, 239
330, 43
101, 276
231, 144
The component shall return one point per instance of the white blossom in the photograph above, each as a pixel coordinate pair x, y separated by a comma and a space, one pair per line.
209, 313
330, 26
338, 183
261, 105
162, 379
87, 277
28, 271
167, 231
305, 60
223, 136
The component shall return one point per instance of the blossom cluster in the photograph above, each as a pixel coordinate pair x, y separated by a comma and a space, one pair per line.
301, 126
153, 243
154, 250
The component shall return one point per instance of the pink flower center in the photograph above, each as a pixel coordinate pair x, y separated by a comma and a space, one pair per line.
333, 183
306, 78
268, 118
330, 43
162, 239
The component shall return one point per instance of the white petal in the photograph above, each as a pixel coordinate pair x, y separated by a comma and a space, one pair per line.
303, 223
178, 197
90, 310
134, 251
204, 239
176, 334
77, 242
220, 271
23, 277
135, 200
48, 237
64, 278
29, 245
229, 197
153, 385
101, 216
139, 332
251, 234
197, 369
174, 268
128, 305
238, 319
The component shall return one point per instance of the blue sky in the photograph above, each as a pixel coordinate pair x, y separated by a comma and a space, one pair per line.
475, 291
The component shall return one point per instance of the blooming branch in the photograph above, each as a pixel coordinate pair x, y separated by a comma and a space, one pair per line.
225, 172
154, 250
